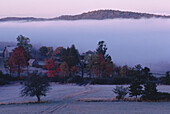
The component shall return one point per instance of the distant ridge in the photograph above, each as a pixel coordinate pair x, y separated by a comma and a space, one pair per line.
92, 15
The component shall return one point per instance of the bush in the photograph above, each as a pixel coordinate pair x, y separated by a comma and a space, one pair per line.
75, 79
3, 81
120, 91
67, 79
101, 81
121, 80
163, 96
135, 88
111, 81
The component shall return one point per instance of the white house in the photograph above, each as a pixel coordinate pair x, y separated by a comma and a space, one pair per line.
8, 52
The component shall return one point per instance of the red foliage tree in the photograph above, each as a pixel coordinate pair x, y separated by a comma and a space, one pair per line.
74, 70
58, 50
99, 65
18, 60
109, 67
53, 68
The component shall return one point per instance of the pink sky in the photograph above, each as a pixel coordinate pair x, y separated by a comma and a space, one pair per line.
52, 8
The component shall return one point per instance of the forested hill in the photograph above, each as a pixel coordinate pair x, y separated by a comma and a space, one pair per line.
111, 14
92, 15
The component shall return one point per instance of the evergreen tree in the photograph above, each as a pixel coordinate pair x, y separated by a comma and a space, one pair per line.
146, 71
71, 56
135, 89
150, 91
101, 50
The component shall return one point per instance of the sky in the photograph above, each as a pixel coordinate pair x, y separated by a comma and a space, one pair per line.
53, 8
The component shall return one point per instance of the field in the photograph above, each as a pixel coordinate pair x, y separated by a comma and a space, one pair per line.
64, 99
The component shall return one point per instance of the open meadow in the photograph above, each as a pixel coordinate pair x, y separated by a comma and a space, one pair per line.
64, 99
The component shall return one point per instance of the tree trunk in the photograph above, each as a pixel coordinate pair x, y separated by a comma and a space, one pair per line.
82, 72
38, 98
19, 70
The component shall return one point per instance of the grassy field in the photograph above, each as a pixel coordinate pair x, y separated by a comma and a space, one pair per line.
64, 99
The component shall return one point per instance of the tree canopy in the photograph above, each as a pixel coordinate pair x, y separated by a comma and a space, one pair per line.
101, 50
71, 56
18, 60
25, 42
35, 85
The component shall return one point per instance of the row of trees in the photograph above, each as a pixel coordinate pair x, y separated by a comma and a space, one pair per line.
149, 93
68, 61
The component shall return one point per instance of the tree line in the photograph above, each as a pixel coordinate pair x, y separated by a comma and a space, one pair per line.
65, 63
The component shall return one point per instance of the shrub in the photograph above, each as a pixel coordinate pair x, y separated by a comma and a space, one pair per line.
163, 96
75, 79
114, 80
120, 91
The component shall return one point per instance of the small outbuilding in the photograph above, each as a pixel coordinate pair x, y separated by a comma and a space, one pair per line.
33, 62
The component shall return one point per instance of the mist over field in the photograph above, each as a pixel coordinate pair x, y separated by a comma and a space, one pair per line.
131, 42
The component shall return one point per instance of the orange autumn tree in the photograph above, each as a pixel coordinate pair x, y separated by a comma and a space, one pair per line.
64, 69
52, 67
18, 60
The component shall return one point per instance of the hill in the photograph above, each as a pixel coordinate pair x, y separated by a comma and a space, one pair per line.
110, 14
92, 15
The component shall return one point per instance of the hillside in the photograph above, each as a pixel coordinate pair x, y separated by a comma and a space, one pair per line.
92, 15
110, 14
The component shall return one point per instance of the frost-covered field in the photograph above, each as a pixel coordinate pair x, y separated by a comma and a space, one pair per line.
64, 100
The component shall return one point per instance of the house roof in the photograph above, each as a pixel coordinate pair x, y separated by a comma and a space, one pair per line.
31, 60
10, 49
